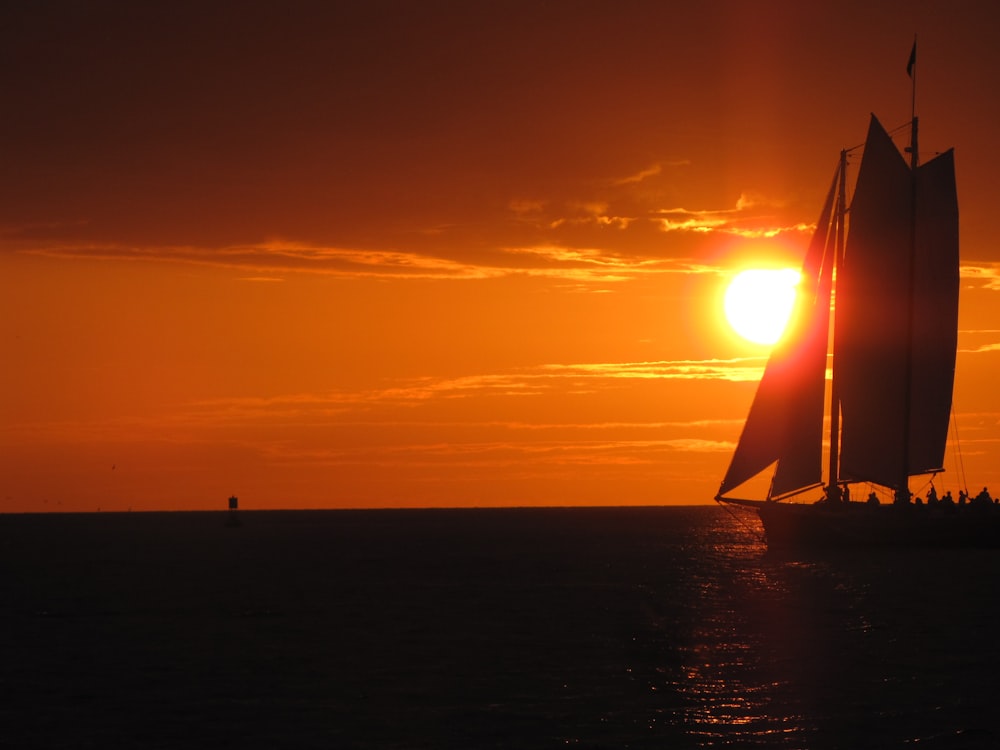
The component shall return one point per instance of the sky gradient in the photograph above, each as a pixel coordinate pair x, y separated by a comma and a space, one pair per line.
390, 254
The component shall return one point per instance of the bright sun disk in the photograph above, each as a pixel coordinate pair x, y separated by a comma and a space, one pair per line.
758, 303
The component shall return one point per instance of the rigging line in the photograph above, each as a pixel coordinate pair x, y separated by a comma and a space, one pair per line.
923, 487
958, 452
741, 522
900, 128
879, 491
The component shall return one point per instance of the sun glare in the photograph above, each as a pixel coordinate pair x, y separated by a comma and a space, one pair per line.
759, 301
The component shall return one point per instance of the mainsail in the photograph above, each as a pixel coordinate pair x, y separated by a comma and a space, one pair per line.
896, 329
897, 316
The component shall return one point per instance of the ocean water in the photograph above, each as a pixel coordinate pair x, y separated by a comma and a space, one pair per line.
526, 628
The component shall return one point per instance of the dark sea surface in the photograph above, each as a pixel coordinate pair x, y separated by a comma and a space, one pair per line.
526, 628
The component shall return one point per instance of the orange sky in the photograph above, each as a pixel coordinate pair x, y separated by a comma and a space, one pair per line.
393, 254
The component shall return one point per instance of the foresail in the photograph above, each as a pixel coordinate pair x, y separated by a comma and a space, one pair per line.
785, 423
895, 410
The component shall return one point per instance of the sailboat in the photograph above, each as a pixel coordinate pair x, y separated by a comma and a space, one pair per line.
883, 273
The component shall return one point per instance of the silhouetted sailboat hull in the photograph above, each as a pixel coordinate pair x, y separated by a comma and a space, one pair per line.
790, 526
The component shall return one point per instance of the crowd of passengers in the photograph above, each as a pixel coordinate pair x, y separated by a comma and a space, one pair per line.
945, 502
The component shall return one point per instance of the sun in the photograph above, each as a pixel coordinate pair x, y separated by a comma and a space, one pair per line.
758, 302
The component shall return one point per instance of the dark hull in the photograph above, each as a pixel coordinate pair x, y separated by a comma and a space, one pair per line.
791, 526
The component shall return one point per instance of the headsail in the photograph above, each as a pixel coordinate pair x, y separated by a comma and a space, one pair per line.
902, 255
785, 423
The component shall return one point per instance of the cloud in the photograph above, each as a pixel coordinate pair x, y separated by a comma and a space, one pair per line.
523, 382
986, 273
525, 423
513, 457
752, 217
396, 399
273, 261
279, 256
702, 446
611, 236
653, 170
741, 369
641, 175
522, 206
632, 207
593, 213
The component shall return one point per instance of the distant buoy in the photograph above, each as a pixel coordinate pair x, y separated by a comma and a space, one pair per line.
234, 503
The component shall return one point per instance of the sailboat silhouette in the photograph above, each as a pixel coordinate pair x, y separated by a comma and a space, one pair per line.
886, 267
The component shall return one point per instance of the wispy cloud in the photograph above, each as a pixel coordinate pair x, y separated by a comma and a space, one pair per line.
275, 260
514, 459
612, 236
281, 256
535, 382
633, 205
398, 398
740, 369
539, 426
653, 170
752, 217
526, 207
988, 274
595, 213
702, 446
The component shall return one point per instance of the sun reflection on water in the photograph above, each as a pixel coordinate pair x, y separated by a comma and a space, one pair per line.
727, 645
730, 678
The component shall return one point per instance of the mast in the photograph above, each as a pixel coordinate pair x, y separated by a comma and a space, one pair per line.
911, 70
903, 490
834, 483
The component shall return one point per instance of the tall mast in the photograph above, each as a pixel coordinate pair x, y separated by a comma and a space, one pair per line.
903, 491
834, 483
911, 70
